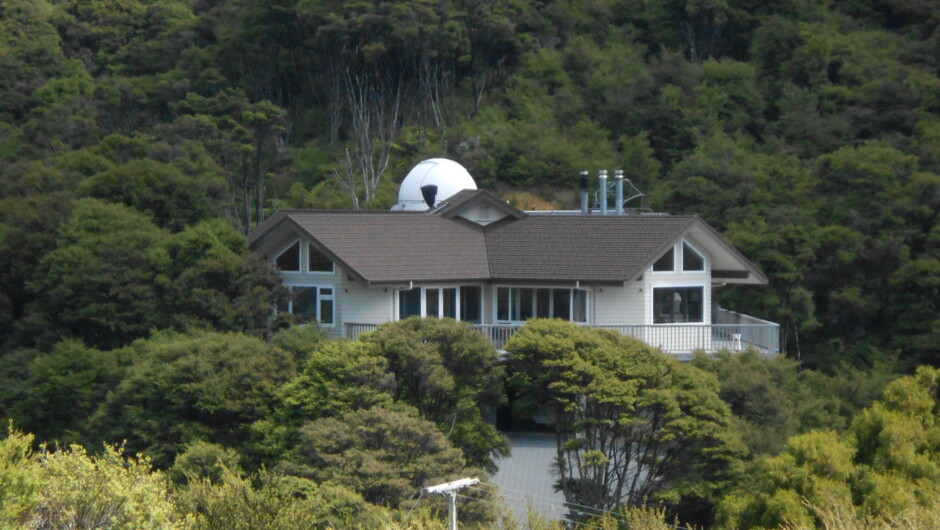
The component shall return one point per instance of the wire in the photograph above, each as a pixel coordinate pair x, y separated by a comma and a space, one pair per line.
413, 506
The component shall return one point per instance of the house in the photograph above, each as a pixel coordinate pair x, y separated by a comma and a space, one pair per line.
450, 250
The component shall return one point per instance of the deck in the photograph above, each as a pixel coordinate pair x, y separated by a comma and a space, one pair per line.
735, 332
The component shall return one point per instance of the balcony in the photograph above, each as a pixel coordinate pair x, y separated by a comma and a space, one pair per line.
732, 331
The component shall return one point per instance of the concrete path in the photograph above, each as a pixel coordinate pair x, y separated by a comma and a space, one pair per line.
525, 478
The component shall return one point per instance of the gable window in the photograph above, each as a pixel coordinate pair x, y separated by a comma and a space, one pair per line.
463, 303
666, 263
676, 305
309, 303
692, 261
289, 260
317, 261
518, 304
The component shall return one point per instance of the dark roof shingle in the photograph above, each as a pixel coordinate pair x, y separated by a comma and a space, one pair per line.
385, 247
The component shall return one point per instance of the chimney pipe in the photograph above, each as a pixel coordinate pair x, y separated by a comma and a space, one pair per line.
603, 179
618, 194
584, 192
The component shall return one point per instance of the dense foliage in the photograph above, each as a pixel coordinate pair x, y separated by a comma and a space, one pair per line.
806, 132
633, 425
140, 140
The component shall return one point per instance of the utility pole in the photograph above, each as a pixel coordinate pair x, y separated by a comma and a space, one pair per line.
450, 489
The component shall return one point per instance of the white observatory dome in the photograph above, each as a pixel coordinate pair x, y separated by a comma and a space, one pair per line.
449, 177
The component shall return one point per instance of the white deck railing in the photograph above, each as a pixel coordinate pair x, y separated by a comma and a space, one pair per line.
677, 339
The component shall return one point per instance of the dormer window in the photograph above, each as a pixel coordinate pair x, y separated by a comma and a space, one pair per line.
289, 259
317, 260
666, 263
692, 261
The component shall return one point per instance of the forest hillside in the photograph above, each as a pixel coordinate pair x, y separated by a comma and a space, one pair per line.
141, 140
808, 133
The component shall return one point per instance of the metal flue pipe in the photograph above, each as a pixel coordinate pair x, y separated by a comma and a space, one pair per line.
618, 193
603, 183
584, 192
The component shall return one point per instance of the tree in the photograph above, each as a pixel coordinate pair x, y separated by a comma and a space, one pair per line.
63, 388
108, 490
384, 455
450, 373
187, 387
97, 284
885, 468
775, 398
212, 280
28, 227
274, 501
632, 424
170, 197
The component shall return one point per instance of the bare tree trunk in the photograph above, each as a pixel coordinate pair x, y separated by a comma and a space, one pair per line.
347, 179
374, 103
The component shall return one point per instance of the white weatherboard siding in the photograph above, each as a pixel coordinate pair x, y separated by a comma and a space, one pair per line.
366, 305
618, 306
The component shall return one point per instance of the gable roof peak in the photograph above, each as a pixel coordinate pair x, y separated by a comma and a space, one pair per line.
466, 199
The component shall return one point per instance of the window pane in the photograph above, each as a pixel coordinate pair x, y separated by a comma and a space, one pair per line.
326, 311
561, 304
543, 300
305, 303
289, 260
431, 308
317, 261
450, 302
580, 306
691, 260
525, 304
678, 304
665, 263
470, 304
409, 303
502, 303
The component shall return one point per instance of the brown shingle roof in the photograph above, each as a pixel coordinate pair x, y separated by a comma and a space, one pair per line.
580, 247
385, 247
393, 246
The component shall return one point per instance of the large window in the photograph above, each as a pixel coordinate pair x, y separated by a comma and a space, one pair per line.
309, 303
518, 304
463, 303
675, 305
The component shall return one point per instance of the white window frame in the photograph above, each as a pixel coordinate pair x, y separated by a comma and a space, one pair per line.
587, 302
440, 299
320, 298
705, 307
